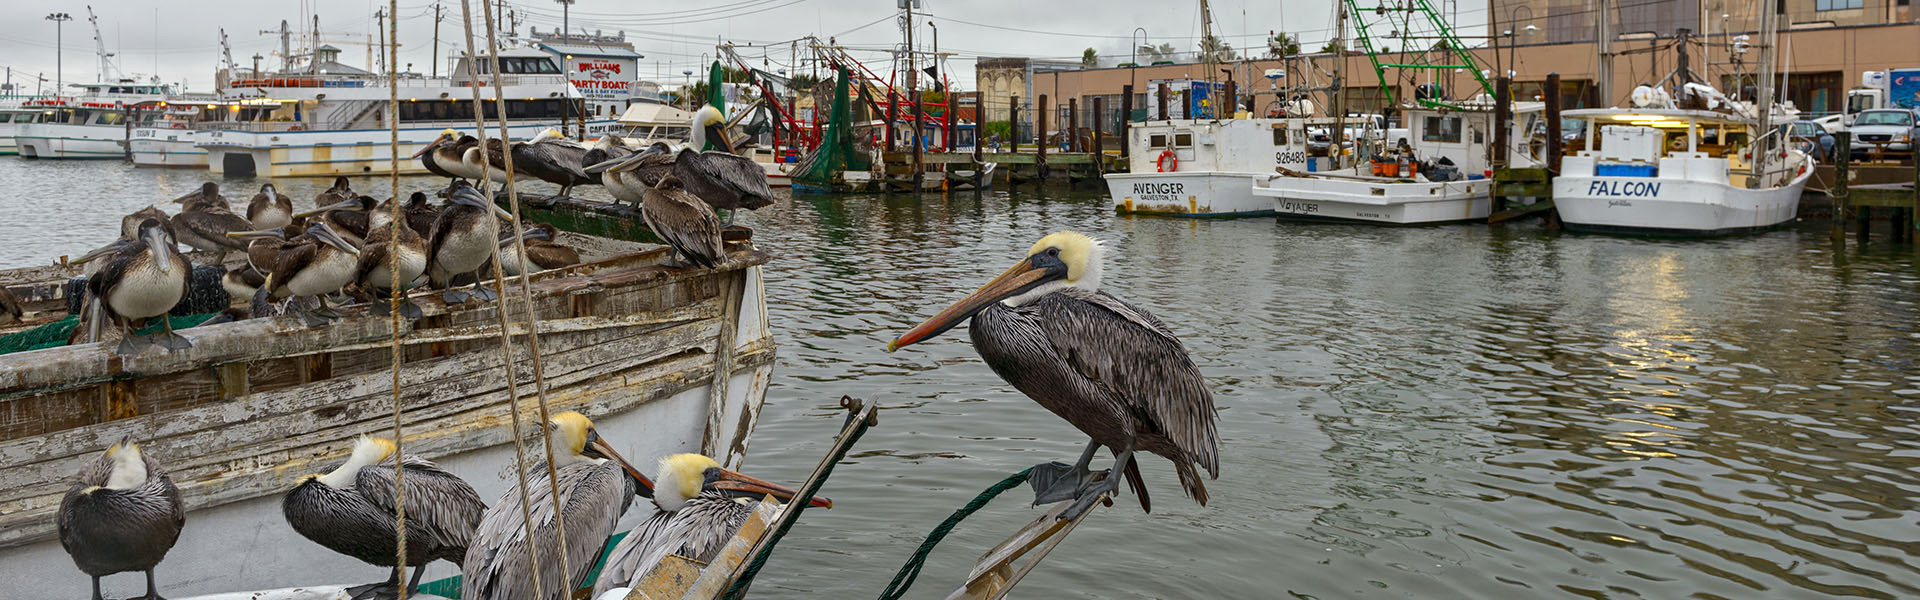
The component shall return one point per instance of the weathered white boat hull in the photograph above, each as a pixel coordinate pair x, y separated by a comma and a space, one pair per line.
61, 140
165, 147
1381, 201
1188, 194
1671, 206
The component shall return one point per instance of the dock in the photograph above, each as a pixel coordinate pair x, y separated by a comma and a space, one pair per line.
1856, 203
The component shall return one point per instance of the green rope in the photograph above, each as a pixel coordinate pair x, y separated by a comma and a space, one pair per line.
911, 570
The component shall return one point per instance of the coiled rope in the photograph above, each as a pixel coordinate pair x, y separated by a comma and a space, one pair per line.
910, 571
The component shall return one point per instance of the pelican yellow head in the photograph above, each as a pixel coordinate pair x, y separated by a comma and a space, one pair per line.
575, 434
1059, 260
683, 476
367, 451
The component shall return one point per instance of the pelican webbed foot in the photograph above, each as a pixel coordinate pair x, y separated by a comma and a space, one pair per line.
1059, 482
484, 294
377, 591
152, 594
170, 340
455, 296
411, 311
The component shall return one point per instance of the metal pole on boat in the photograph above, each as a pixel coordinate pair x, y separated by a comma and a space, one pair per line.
59, 44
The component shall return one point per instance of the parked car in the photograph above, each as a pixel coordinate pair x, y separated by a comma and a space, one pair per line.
1812, 139
1833, 123
1883, 131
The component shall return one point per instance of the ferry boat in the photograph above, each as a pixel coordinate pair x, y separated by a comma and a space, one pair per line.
94, 124
1676, 172
1436, 171
170, 141
12, 115
1208, 168
663, 359
321, 125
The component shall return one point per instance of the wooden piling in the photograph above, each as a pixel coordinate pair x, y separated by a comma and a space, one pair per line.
1099, 118
1040, 138
917, 139
1502, 115
1160, 100
1126, 116
1554, 145
1073, 125
1013, 122
893, 103
1863, 217
979, 141
1843, 154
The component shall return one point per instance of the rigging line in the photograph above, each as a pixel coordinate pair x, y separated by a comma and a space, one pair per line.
393, 237
706, 17
533, 317
506, 344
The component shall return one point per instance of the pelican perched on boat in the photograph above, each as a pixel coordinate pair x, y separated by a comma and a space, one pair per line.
242, 283
542, 252
596, 487
350, 217
603, 149
207, 190
123, 514
205, 222
341, 190
321, 265
351, 511
269, 208
1109, 368
130, 224
442, 156
685, 223
10, 310
699, 506
375, 274
418, 214
265, 245
139, 279
552, 158
724, 181
463, 240
628, 176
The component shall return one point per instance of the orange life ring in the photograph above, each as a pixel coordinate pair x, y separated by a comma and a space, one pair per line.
179, 126
1168, 162
294, 128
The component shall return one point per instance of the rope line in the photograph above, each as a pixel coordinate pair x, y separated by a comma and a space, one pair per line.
526, 290
393, 239
911, 571
506, 344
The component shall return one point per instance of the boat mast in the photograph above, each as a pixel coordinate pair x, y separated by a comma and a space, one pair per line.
1207, 54
1769, 29
1340, 82
1603, 73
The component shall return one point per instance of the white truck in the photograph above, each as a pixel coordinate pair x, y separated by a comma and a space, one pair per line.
1892, 88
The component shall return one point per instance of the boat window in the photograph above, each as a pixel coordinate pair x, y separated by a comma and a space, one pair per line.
1182, 139
112, 118
5, 117
1441, 129
1279, 136
1158, 140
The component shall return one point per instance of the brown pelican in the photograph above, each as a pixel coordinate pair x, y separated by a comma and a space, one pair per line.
698, 506
205, 222
442, 155
463, 240
322, 265
269, 208
552, 158
1109, 368
685, 223
130, 224
351, 511
723, 180
242, 283
265, 245
350, 217
10, 311
542, 252
606, 148
375, 274
122, 515
341, 190
596, 487
140, 279
628, 176
418, 214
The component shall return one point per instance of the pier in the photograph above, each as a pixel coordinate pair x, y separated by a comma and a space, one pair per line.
1856, 203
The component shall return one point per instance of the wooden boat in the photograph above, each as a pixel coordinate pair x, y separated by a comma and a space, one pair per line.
663, 359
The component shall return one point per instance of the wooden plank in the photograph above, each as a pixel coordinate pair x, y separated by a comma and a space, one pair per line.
669, 579
723, 366
713, 581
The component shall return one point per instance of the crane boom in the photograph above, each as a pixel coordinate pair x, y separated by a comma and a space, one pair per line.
108, 72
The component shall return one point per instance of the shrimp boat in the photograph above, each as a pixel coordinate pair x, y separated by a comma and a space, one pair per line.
1209, 168
324, 125
95, 124
1677, 172
663, 359
170, 140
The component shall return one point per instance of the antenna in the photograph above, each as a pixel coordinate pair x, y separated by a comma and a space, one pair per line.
108, 72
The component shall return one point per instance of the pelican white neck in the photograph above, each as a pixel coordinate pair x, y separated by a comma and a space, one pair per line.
129, 469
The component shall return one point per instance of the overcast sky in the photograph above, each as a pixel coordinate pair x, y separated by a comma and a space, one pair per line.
180, 41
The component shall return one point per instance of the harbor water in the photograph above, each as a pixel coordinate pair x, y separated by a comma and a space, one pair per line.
1463, 411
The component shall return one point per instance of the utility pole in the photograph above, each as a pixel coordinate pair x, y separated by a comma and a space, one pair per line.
379, 23
58, 44
1604, 73
566, 7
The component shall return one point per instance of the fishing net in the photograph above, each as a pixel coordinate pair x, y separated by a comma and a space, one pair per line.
836, 152
55, 334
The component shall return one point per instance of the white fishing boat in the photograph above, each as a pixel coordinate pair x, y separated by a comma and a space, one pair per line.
170, 140
1209, 168
94, 124
1678, 173
324, 125
663, 359
12, 116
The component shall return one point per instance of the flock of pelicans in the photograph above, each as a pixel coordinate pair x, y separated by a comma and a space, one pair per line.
348, 248
1109, 368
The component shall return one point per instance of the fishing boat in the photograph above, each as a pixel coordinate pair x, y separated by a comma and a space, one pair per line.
170, 140
663, 359
1209, 168
1677, 172
324, 124
647, 122
93, 124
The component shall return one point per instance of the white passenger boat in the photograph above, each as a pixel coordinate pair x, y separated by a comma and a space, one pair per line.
170, 140
12, 116
94, 124
1443, 177
320, 125
1676, 172
1208, 168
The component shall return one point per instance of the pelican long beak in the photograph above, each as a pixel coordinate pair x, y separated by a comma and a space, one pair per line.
257, 234
95, 254
348, 204
437, 142
1024, 275
162, 247
327, 236
504, 215
599, 445
740, 484
604, 166
717, 135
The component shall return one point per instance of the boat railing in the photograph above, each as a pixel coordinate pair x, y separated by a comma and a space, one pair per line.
320, 81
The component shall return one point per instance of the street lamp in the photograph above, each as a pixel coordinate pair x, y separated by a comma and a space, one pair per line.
566, 8
58, 18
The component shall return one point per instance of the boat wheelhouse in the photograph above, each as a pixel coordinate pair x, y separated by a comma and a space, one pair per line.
171, 140
94, 124
12, 116
1208, 168
1677, 172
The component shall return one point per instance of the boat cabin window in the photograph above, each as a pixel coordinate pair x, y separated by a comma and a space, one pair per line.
461, 110
1441, 129
1182, 139
1158, 140
538, 65
1280, 136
